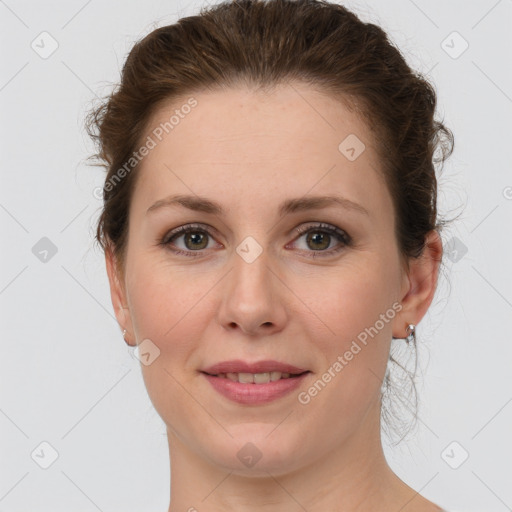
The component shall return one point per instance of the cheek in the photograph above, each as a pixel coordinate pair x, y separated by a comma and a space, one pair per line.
353, 315
163, 299
347, 300
351, 337
168, 308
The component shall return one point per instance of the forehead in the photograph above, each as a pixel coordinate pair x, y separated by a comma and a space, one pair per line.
242, 119
260, 144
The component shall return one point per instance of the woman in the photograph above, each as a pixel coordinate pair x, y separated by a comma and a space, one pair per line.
269, 225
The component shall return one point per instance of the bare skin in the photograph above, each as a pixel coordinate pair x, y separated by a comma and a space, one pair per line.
250, 151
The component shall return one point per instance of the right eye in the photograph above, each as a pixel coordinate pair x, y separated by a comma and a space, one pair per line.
195, 239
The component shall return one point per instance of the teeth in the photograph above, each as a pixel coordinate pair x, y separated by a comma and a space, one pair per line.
254, 378
261, 378
246, 378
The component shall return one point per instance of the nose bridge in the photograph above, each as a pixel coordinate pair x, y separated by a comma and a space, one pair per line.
251, 298
250, 280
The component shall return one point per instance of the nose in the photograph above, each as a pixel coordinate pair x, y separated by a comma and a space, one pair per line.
253, 298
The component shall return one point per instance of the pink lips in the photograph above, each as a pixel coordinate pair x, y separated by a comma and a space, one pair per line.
251, 393
239, 366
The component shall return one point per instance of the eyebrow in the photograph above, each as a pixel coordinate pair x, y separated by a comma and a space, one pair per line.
202, 204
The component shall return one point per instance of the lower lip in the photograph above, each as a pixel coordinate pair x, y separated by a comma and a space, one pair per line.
254, 394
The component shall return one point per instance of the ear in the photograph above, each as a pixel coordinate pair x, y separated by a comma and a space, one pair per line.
118, 296
419, 285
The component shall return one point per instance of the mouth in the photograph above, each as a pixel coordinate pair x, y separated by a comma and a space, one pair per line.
257, 378
256, 383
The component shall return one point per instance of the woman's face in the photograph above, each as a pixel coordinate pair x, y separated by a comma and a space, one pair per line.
245, 285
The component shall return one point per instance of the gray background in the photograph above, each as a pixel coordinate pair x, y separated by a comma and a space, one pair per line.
66, 376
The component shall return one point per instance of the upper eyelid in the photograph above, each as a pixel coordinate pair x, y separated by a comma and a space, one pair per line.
180, 230
298, 229
320, 226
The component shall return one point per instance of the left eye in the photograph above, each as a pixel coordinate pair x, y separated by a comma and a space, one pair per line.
319, 238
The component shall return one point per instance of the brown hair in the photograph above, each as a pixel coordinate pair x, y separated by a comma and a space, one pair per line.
263, 44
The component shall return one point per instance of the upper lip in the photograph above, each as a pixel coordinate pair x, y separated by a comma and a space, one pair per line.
239, 366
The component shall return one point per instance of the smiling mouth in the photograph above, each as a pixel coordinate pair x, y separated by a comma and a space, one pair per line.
256, 378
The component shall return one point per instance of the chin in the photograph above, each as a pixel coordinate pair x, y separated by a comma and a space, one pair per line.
256, 449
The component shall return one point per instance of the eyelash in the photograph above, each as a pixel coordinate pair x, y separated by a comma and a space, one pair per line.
342, 236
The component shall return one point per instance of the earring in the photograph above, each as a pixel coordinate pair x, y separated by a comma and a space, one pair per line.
124, 333
411, 334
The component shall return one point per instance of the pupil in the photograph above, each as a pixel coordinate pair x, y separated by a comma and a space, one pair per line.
196, 238
317, 238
